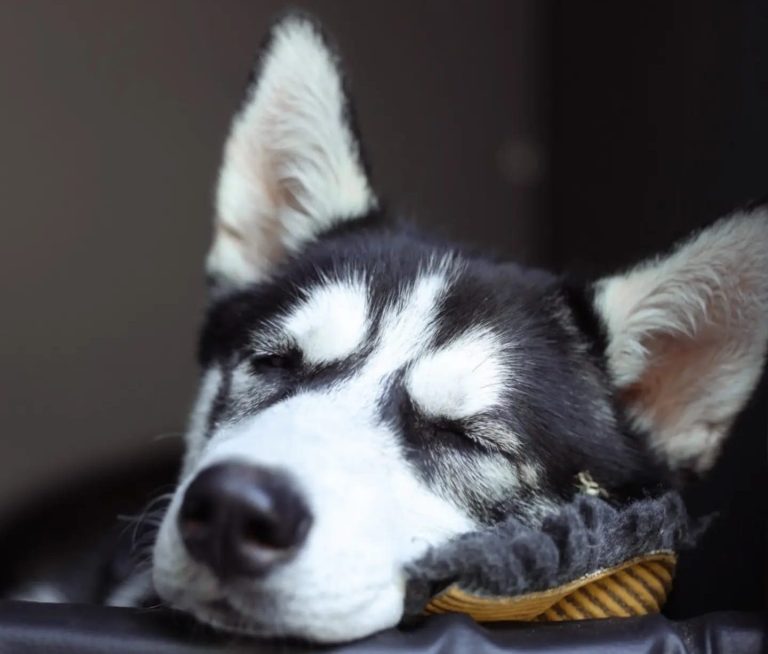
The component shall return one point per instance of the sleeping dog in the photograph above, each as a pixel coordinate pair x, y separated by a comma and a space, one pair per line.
369, 393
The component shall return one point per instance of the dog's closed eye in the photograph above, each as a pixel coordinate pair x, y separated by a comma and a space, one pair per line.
289, 360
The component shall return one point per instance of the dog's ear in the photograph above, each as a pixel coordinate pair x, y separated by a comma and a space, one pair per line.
292, 164
687, 337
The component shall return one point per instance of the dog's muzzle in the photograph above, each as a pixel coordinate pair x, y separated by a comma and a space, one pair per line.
242, 520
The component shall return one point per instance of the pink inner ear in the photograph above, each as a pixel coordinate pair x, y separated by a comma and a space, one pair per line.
693, 385
678, 374
689, 337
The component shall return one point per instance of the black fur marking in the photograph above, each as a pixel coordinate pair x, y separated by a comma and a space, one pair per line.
220, 402
581, 301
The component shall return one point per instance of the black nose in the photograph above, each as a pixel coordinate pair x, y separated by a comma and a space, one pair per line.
240, 519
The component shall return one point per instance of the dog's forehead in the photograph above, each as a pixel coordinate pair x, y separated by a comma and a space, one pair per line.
338, 302
440, 310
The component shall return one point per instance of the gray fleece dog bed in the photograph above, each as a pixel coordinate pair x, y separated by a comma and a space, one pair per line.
590, 559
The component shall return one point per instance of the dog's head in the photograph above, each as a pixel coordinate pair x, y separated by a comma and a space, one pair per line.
367, 394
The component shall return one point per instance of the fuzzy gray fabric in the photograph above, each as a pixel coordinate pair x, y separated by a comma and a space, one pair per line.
586, 535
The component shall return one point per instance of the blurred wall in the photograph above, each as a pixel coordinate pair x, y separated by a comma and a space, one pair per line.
111, 121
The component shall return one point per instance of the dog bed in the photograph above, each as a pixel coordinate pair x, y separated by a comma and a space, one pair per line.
591, 559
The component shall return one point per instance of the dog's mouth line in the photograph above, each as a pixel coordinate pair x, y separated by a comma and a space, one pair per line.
221, 614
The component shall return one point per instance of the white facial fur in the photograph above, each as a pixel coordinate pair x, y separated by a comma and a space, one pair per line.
462, 379
372, 513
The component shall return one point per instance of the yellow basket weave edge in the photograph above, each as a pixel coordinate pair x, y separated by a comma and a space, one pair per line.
638, 586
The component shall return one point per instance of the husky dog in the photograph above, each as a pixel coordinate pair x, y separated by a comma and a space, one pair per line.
368, 393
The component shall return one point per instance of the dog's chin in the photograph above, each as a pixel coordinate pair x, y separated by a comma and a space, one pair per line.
257, 617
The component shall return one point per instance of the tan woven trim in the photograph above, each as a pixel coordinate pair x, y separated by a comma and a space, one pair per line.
635, 587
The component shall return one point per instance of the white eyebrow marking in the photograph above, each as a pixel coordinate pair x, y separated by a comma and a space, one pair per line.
406, 329
332, 323
464, 378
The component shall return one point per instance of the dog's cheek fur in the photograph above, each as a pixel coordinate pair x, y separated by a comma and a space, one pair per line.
559, 413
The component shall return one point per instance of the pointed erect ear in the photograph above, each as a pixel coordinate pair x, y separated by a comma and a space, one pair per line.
687, 337
292, 166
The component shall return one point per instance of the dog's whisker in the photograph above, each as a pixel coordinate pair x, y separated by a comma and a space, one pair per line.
151, 518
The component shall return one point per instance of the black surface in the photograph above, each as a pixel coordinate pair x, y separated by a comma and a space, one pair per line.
102, 525
48, 628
